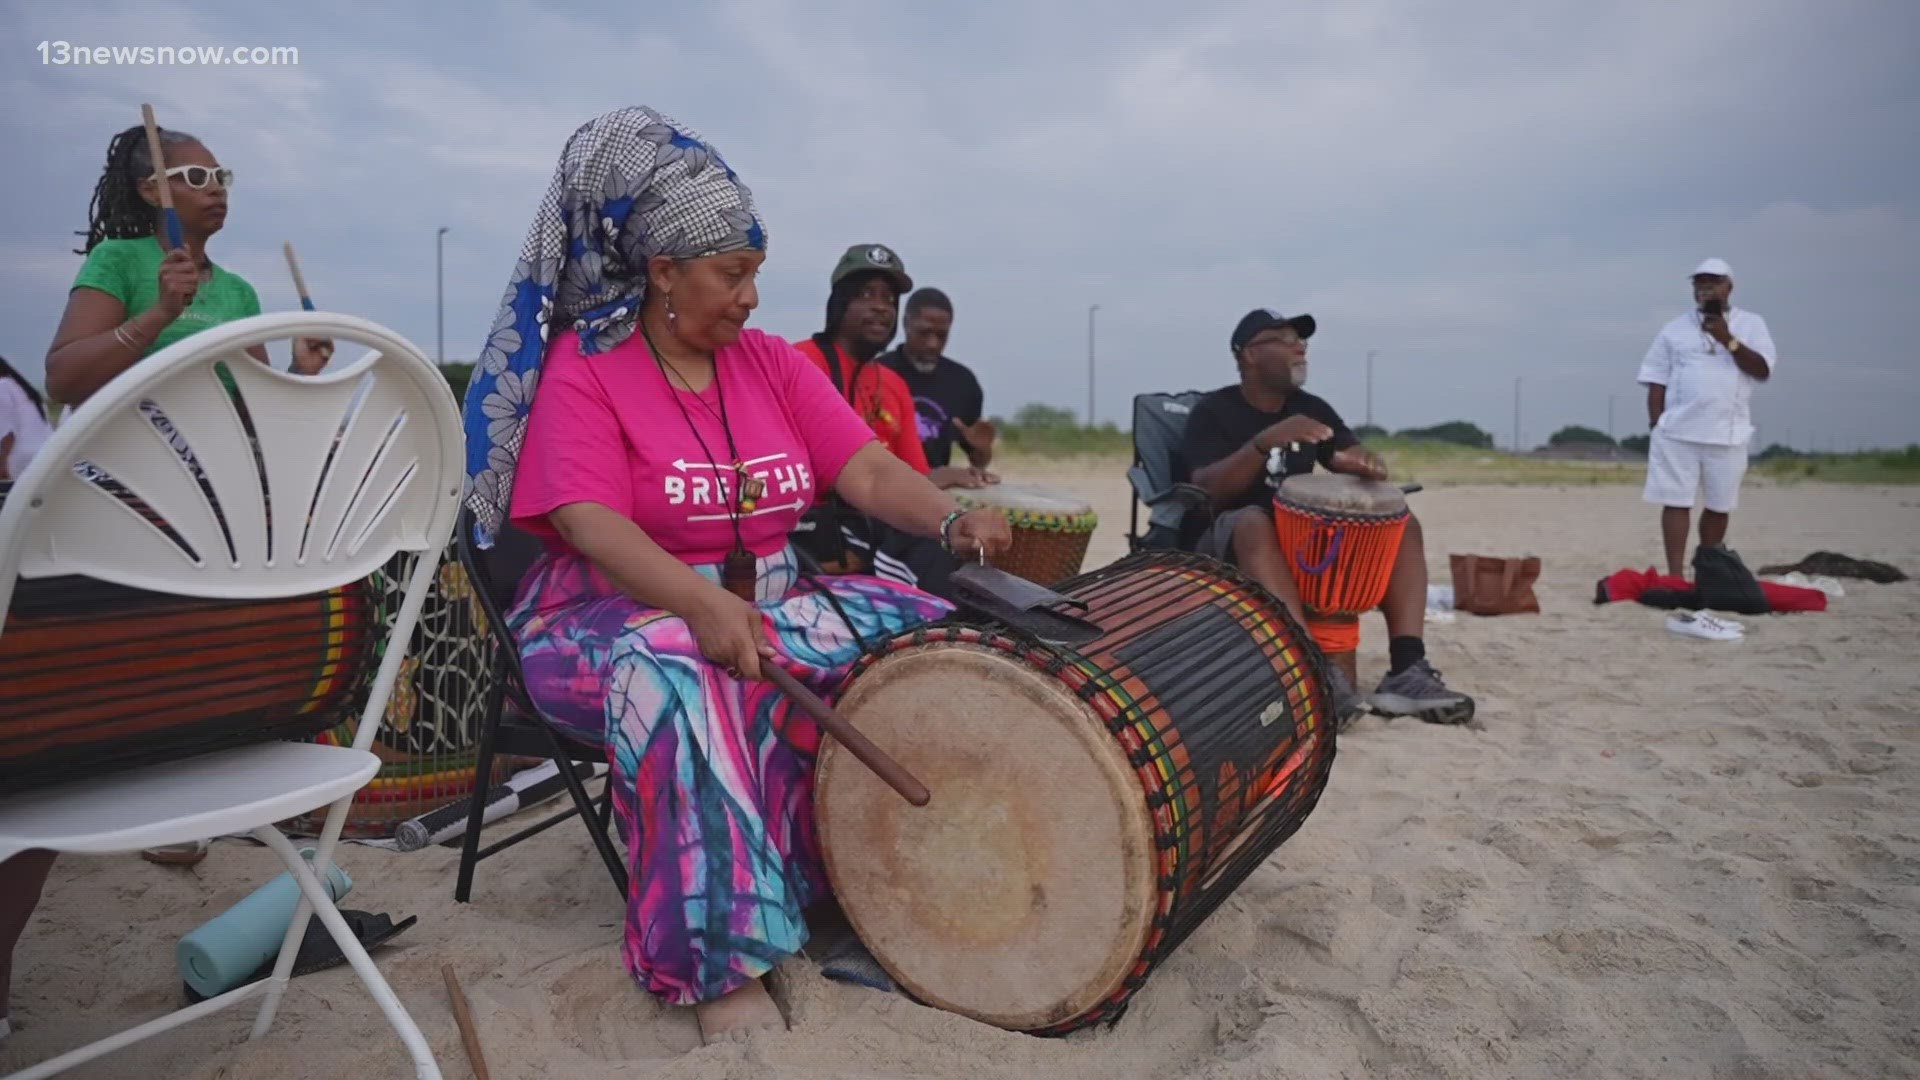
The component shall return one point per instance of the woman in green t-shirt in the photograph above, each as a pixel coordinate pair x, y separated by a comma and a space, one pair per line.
132, 298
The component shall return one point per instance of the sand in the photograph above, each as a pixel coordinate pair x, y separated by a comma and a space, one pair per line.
1648, 857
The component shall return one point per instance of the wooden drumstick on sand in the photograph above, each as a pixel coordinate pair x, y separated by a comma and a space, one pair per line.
160, 179
863, 748
299, 282
464, 1018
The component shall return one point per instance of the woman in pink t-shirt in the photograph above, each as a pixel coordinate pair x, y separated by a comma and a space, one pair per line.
664, 452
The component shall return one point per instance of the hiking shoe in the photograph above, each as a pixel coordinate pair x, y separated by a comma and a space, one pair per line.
1348, 705
1419, 691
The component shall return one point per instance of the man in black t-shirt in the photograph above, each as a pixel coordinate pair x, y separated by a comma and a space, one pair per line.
1234, 437
947, 399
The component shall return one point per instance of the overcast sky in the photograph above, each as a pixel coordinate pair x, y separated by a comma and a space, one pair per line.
1478, 191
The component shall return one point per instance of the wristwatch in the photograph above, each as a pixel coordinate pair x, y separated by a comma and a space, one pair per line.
1733, 345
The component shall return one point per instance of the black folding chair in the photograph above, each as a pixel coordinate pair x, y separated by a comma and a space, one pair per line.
1159, 424
512, 725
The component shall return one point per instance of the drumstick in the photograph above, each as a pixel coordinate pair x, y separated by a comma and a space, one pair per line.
883, 766
464, 1018
160, 179
299, 283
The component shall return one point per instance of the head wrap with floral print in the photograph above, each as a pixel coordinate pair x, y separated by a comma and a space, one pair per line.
630, 185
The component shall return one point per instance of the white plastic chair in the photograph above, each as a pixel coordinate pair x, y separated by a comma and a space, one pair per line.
357, 464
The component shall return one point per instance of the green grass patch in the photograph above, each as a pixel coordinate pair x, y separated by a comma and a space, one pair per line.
1430, 461
1863, 467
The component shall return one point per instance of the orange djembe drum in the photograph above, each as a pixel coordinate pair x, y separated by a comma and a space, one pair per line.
1092, 804
1340, 535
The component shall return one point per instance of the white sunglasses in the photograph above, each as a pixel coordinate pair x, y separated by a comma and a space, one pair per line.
198, 176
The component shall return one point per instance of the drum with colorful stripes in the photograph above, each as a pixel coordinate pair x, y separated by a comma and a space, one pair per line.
1091, 806
97, 677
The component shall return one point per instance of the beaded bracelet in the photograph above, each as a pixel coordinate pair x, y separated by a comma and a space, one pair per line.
946, 530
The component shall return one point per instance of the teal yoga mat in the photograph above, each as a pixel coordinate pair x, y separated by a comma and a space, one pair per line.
221, 953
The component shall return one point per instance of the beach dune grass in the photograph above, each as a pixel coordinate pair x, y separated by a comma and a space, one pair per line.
1427, 461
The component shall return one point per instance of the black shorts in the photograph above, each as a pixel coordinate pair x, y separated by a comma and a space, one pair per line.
1217, 541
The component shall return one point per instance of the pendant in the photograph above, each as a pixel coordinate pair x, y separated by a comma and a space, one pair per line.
738, 574
751, 488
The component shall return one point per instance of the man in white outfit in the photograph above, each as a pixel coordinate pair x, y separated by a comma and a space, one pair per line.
1700, 374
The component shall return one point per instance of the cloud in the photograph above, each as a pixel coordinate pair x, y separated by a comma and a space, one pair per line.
1474, 191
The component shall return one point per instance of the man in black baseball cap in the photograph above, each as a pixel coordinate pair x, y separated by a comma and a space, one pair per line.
1254, 322
1242, 441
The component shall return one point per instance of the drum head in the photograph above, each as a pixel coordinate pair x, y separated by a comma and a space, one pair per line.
1022, 894
1338, 491
1025, 498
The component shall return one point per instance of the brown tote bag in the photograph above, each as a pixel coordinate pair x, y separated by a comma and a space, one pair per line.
1490, 585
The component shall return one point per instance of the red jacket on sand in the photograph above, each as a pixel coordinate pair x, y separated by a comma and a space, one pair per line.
1630, 584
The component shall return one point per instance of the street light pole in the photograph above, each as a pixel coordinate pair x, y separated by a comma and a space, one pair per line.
440, 294
1516, 414
1370, 354
1091, 308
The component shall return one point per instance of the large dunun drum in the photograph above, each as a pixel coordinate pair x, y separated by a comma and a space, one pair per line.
96, 677
1090, 807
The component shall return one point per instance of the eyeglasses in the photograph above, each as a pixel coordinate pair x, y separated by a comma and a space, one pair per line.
198, 176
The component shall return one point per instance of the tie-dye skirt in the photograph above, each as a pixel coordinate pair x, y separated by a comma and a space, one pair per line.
712, 775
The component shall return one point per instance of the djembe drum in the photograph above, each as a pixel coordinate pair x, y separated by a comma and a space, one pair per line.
1091, 806
1340, 535
1051, 529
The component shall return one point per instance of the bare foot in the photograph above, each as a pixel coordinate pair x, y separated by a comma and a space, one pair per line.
734, 1016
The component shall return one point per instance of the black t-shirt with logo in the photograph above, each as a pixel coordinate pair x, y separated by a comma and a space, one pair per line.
949, 392
1223, 422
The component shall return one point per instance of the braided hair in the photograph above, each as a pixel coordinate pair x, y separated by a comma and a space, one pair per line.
117, 211
33, 395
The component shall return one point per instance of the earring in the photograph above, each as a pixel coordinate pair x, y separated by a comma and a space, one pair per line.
673, 317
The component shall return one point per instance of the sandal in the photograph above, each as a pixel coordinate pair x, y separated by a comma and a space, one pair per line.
850, 962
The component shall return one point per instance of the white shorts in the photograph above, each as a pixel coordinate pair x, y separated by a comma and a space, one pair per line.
1677, 468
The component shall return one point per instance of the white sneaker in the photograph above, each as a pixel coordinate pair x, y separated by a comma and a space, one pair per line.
1702, 625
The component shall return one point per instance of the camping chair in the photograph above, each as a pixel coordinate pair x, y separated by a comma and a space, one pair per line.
511, 724
1159, 424
162, 482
